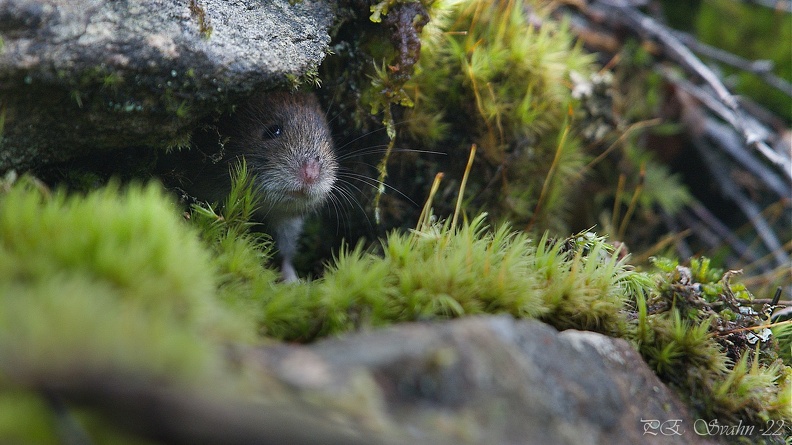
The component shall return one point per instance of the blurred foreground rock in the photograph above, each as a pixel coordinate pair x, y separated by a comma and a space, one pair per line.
488, 380
481, 380
84, 75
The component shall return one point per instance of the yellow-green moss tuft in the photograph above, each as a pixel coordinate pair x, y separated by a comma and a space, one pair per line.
438, 272
490, 73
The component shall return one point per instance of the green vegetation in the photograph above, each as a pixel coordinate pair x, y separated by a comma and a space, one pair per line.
703, 335
508, 78
437, 272
107, 283
112, 281
490, 75
204, 26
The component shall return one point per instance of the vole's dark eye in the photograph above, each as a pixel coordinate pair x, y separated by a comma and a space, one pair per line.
271, 132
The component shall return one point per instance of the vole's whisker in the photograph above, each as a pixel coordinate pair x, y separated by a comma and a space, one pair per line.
377, 130
378, 149
336, 210
373, 183
362, 151
343, 181
349, 197
341, 147
367, 164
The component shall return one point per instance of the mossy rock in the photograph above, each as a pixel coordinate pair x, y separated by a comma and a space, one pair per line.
113, 75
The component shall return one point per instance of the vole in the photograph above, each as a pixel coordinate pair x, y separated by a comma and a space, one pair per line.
286, 143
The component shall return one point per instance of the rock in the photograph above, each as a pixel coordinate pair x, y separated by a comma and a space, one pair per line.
479, 380
82, 75
487, 380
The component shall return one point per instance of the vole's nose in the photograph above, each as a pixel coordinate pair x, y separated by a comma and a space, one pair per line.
310, 171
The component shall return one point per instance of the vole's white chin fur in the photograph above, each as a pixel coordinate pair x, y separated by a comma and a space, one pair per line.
286, 203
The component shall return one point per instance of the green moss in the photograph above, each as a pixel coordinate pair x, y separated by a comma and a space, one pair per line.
113, 281
701, 333
238, 253
25, 419
783, 333
118, 252
438, 272
310, 77
106, 282
488, 76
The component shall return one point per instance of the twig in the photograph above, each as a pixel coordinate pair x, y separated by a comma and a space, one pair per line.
763, 115
758, 301
695, 120
719, 172
778, 5
730, 143
762, 68
717, 120
676, 50
723, 232
703, 232
759, 131
752, 328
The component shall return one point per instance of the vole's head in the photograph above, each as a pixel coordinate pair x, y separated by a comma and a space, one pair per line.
286, 142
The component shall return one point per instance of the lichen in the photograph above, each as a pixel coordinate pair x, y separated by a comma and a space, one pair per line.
204, 26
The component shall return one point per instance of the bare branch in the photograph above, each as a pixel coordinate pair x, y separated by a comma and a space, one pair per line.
727, 138
778, 5
762, 68
720, 172
649, 28
698, 212
724, 103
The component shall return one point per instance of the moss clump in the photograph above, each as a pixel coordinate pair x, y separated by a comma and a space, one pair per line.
439, 272
126, 247
489, 75
107, 282
703, 335
107, 237
204, 26
112, 281
694, 326
561, 149
239, 253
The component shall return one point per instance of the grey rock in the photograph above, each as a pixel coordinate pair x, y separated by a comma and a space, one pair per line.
83, 75
487, 380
